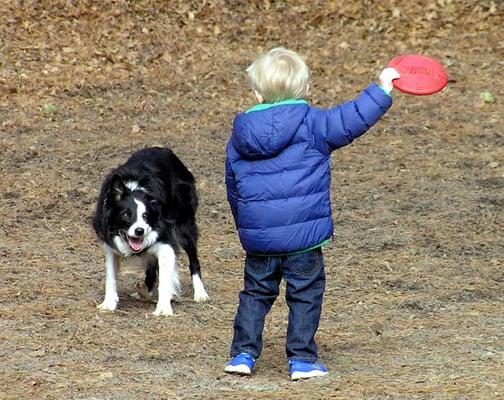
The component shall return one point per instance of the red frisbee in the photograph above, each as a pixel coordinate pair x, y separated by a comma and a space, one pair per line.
420, 75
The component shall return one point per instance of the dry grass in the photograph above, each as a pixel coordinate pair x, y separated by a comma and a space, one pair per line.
415, 292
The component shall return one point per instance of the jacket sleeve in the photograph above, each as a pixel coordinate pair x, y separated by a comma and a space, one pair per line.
232, 194
339, 126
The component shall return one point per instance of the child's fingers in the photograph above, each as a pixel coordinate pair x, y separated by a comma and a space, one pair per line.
389, 74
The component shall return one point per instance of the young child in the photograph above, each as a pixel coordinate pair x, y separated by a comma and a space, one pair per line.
278, 182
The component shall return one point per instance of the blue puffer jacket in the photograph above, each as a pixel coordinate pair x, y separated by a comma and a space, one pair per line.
278, 169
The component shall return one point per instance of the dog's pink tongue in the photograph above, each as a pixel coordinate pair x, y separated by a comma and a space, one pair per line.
135, 244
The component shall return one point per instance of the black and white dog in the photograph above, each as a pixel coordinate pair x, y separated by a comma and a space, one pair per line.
147, 208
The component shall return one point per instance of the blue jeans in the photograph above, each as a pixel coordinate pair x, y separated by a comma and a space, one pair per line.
305, 283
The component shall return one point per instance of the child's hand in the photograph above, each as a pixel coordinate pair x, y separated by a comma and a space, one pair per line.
386, 77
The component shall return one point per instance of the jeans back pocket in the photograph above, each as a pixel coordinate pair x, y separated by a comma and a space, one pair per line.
257, 264
305, 264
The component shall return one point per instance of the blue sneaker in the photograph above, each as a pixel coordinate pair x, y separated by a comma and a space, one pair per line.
304, 369
242, 364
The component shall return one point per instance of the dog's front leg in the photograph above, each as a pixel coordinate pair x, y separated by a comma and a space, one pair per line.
111, 266
168, 282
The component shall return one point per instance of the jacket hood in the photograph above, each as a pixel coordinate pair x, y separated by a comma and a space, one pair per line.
265, 130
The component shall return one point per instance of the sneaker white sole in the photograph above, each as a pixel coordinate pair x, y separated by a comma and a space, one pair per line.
240, 369
305, 375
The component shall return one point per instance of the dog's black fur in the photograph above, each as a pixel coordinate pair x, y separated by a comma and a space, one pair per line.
156, 178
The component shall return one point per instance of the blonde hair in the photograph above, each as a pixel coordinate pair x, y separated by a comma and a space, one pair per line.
279, 74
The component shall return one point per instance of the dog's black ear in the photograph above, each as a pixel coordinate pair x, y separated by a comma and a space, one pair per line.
117, 188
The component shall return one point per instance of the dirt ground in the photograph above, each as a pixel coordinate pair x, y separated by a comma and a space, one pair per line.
415, 297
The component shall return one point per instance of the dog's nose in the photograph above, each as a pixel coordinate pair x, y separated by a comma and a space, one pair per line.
139, 231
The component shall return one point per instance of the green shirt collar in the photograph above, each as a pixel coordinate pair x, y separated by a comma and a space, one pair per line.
265, 106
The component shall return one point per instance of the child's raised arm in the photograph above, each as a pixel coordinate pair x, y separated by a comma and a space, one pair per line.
340, 125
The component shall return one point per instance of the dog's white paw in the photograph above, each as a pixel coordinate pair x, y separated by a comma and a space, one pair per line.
201, 296
164, 311
108, 305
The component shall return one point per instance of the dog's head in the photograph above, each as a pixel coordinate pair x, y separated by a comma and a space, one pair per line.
132, 216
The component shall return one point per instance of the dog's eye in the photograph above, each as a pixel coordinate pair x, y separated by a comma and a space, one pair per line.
125, 215
144, 215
